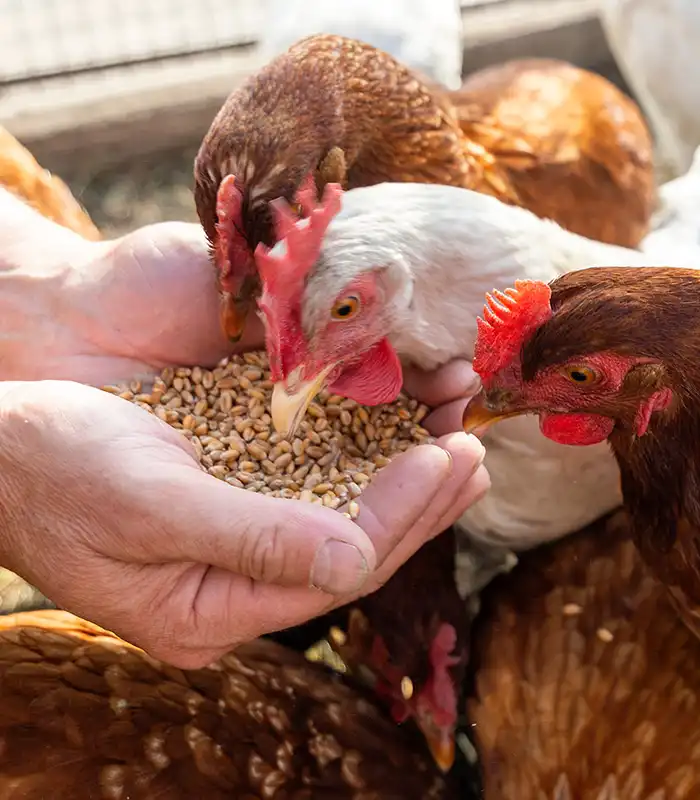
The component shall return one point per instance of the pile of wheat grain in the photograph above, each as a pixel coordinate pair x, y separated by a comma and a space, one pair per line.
225, 413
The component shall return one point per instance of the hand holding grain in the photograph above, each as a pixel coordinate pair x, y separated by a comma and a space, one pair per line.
105, 509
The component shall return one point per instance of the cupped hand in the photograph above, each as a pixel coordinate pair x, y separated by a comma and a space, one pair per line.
104, 508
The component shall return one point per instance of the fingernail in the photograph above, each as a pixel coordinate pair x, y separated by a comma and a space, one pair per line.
449, 457
338, 568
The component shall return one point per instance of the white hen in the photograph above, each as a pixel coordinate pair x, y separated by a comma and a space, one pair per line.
425, 36
428, 254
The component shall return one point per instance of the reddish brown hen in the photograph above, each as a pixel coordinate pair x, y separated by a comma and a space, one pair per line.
86, 716
47, 193
568, 143
611, 353
587, 683
343, 111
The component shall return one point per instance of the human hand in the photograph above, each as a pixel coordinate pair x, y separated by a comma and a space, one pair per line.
447, 391
105, 509
106, 312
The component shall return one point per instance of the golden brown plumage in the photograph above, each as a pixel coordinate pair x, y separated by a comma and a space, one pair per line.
587, 682
87, 716
46, 193
568, 143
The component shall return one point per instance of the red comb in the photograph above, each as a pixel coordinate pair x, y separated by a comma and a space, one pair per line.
509, 319
281, 268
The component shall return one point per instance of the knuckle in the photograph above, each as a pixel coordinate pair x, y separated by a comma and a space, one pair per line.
263, 556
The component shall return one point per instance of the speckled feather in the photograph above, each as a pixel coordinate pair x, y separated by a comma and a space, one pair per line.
86, 716
569, 144
587, 683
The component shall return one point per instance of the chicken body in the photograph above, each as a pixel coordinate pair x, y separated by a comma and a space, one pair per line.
427, 254
47, 193
586, 681
86, 716
571, 145
613, 355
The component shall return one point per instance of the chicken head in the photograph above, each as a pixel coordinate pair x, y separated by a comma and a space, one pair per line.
332, 333
580, 398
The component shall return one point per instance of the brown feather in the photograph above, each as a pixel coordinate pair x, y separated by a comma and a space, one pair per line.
572, 147
87, 716
587, 683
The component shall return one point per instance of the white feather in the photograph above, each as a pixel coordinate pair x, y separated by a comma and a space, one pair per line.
449, 246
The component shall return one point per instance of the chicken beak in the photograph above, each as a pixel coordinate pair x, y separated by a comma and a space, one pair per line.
233, 316
480, 415
442, 748
288, 408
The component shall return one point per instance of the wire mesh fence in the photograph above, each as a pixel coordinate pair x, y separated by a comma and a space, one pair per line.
55, 37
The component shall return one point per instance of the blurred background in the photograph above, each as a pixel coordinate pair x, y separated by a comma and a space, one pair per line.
115, 97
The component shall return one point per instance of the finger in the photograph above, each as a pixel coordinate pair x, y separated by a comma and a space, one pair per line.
286, 542
401, 494
455, 495
235, 609
446, 418
450, 382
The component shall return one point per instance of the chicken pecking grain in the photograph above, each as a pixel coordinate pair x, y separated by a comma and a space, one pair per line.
86, 716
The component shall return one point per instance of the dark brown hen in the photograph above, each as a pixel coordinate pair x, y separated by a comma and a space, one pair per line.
611, 353
85, 716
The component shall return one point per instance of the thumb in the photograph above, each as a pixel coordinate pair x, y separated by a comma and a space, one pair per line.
285, 542
450, 382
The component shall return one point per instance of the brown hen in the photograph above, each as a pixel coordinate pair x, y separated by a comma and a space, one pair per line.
46, 193
348, 113
568, 144
587, 682
85, 715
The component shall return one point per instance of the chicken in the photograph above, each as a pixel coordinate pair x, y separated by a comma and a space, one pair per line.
568, 142
586, 682
409, 639
655, 44
86, 716
47, 193
399, 275
336, 110
611, 354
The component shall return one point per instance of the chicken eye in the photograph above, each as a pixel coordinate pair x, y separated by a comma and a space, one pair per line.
346, 308
581, 375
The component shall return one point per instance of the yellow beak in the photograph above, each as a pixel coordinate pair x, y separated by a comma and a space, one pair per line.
478, 416
288, 408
